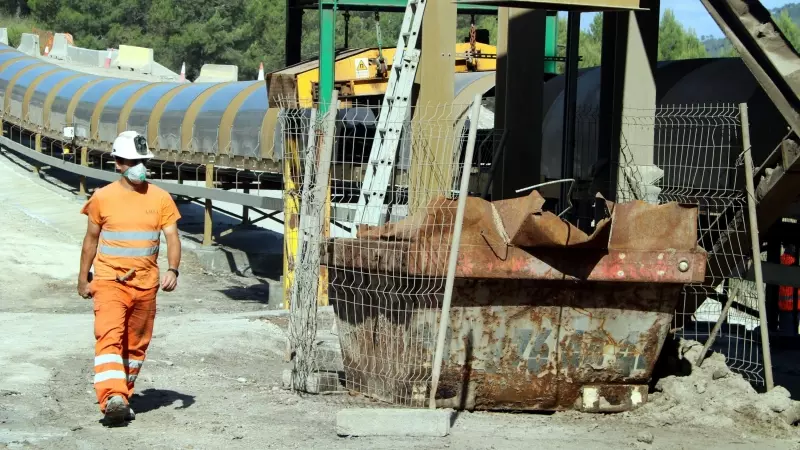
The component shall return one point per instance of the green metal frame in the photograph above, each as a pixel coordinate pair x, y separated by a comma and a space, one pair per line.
551, 42
388, 5
327, 55
327, 34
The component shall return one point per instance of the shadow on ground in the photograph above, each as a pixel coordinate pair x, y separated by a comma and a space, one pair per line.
152, 399
265, 293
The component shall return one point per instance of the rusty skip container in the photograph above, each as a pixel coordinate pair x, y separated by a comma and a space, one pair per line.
544, 317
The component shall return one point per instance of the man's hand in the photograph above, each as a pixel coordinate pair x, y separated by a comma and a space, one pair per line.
84, 288
169, 281
88, 252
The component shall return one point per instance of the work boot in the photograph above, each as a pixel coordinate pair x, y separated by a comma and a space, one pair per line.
131, 415
116, 410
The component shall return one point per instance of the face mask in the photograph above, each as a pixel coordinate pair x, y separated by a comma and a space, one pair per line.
136, 174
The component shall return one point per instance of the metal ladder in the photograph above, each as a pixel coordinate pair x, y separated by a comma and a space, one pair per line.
393, 113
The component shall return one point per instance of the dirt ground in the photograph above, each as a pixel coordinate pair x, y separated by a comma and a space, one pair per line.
212, 374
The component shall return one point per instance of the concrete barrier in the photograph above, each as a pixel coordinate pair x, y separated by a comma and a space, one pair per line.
135, 58
60, 44
4, 36
164, 73
82, 56
29, 44
218, 73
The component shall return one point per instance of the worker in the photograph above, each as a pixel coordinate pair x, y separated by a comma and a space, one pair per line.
125, 221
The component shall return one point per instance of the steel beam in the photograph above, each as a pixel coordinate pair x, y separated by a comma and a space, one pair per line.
551, 42
630, 51
208, 222
484, 6
518, 107
294, 34
570, 106
765, 51
386, 5
269, 203
327, 56
566, 5
433, 148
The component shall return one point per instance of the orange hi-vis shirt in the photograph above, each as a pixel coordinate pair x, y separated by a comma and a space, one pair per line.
131, 224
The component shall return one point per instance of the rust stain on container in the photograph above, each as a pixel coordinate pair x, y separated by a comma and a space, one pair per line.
540, 310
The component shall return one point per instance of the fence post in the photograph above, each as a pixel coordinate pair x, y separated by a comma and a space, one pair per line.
463, 192
291, 214
246, 209
713, 335
85, 163
305, 290
308, 160
207, 224
756, 246
37, 166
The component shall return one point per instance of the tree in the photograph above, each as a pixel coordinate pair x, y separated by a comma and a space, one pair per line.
676, 42
591, 46
247, 32
789, 28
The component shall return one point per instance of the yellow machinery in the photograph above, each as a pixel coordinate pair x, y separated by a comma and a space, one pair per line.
360, 73
361, 77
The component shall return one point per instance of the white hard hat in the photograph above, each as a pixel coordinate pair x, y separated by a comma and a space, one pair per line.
131, 145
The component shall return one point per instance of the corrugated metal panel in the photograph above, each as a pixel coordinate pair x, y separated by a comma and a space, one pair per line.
12, 55
171, 120
62, 99
23, 82
246, 132
9, 73
205, 133
462, 80
40, 93
88, 102
140, 114
107, 127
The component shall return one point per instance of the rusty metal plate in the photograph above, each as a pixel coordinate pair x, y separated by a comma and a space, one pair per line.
541, 264
515, 239
512, 344
640, 226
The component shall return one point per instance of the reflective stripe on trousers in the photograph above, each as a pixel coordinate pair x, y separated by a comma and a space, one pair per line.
123, 327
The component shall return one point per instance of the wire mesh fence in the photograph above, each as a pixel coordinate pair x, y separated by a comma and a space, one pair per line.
692, 154
387, 196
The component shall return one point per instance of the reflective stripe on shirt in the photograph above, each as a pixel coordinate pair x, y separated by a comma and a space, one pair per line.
106, 248
130, 235
128, 251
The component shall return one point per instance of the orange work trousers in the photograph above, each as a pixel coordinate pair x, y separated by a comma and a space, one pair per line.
123, 327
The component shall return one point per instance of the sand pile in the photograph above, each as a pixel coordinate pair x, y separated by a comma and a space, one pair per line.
714, 396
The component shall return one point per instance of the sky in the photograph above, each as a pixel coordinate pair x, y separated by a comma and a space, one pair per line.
692, 14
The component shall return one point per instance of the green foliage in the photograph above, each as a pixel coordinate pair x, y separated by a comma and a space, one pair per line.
789, 28
17, 26
676, 42
589, 44
241, 32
